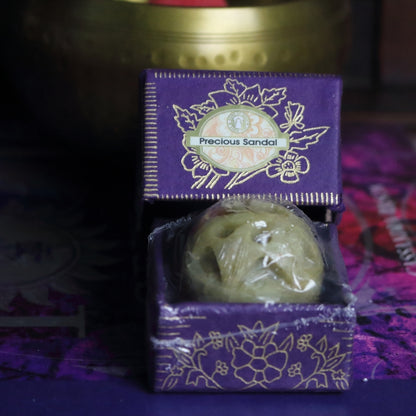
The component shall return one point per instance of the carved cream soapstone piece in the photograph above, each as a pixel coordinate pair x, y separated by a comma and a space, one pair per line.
254, 251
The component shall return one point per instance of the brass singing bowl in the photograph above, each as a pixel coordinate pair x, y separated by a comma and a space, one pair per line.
76, 63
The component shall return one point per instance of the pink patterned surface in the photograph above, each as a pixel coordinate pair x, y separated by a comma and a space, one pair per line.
377, 237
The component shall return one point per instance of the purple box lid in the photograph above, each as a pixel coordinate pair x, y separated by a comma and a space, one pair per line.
208, 135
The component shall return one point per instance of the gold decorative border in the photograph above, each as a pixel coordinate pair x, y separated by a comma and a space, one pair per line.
150, 168
298, 198
241, 74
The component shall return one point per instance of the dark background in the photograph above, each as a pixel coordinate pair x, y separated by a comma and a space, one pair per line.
379, 74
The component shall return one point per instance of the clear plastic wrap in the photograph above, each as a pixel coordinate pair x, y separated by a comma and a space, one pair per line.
254, 250
285, 327
251, 251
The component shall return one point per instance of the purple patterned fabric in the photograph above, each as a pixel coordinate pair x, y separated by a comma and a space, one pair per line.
378, 166
377, 237
67, 310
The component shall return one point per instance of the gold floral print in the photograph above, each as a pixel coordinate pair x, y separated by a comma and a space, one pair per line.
327, 361
217, 339
257, 357
295, 370
255, 364
289, 165
303, 342
221, 368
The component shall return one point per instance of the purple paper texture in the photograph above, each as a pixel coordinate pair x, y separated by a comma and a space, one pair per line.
252, 349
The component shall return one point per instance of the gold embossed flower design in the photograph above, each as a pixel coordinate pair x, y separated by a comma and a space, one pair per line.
203, 173
258, 364
258, 360
288, 167
233, 93
328, 360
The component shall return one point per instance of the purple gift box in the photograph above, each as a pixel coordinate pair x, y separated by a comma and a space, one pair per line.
211, 135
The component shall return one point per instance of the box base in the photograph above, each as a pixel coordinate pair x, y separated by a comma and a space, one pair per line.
223, 347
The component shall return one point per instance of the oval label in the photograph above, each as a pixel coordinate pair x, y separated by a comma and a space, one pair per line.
237, 138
